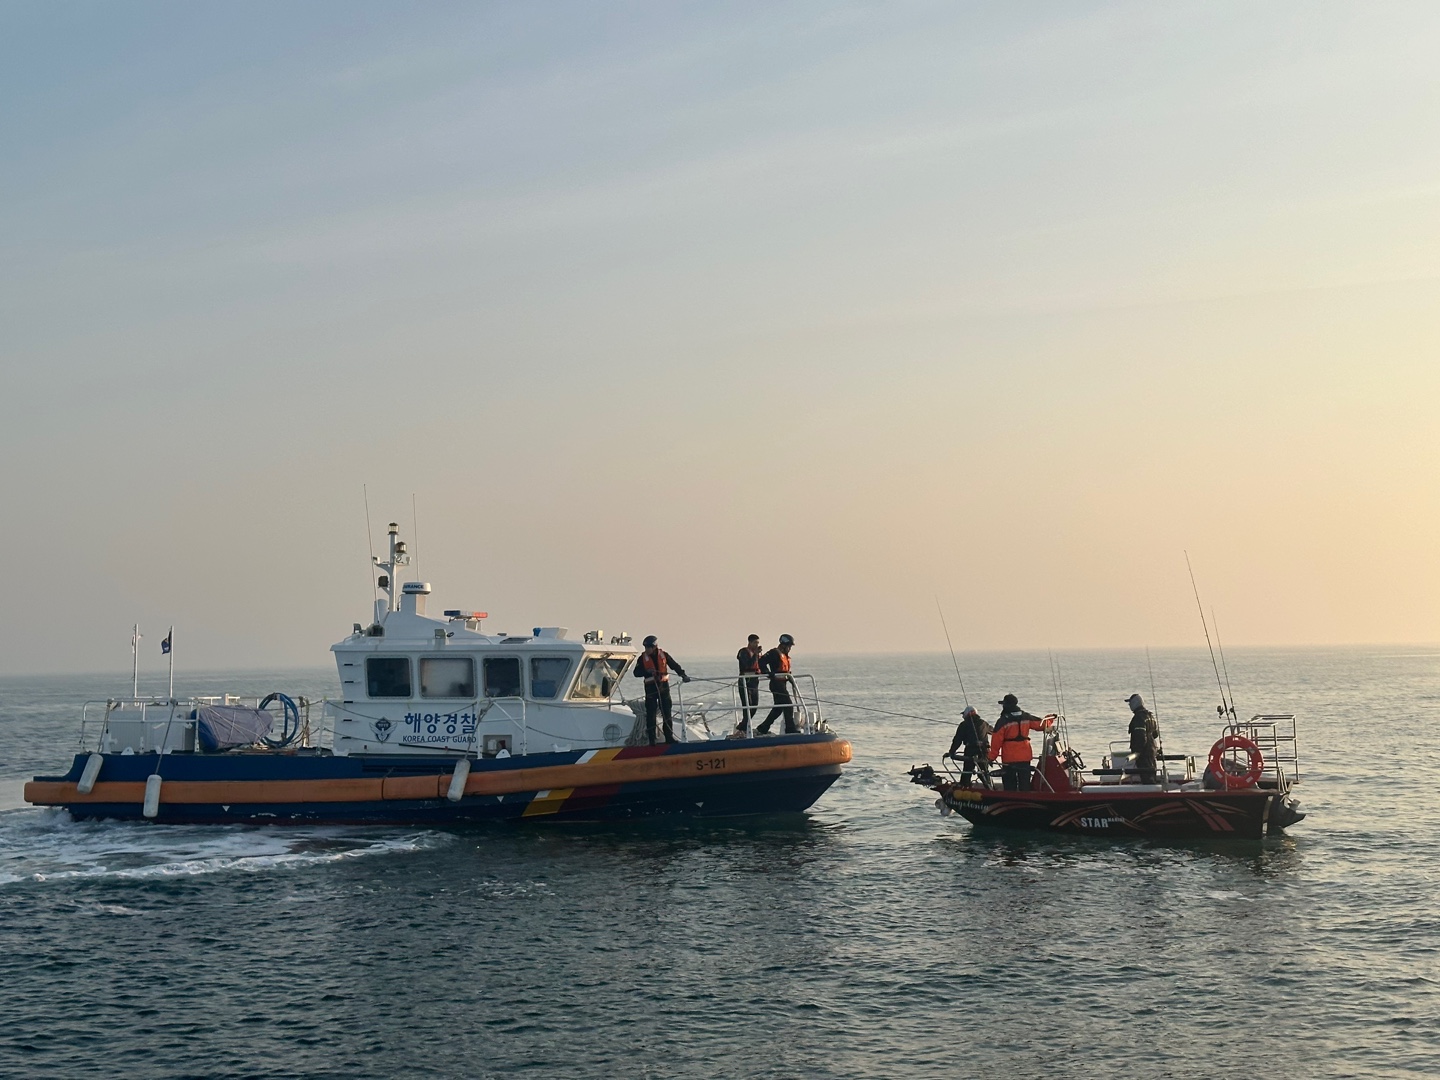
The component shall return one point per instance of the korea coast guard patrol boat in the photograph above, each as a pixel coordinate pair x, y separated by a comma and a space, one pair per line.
1244, 791
439, 722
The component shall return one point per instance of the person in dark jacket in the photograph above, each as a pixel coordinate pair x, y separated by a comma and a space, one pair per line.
749, 686
776, 664
1144, 731
1010, 743
654, 666
971, 735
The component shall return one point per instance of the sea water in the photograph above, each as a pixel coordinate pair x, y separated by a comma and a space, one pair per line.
868, 938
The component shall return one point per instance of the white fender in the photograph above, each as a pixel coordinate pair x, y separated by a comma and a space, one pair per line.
457, 780
90, 775
943, 807
152, 796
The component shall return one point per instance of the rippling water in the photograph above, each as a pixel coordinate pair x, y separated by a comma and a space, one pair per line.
871, 938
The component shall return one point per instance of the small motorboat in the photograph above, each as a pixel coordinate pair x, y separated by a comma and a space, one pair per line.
1244, 791
439, 722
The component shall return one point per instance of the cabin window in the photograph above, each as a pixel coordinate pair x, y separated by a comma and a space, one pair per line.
547, 675
502, 676
387, 676
447, 677
598, 676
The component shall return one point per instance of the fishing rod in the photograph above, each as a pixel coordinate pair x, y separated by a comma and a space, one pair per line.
1223, 666
1056, 684
1155, 702
952, 653
1205, 626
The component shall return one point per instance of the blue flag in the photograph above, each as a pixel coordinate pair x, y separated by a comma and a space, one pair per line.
165, 645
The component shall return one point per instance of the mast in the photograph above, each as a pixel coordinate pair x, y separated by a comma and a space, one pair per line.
386, 581
135, 663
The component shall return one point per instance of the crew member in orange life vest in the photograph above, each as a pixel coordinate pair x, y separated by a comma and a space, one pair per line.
1010, 742
654, 667
776, 664
749, 660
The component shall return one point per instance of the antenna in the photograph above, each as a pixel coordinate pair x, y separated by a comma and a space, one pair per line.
1206, 628
952, 653
1223, 666
369, 538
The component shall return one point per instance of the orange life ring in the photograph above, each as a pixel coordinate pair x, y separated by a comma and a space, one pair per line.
1236, 780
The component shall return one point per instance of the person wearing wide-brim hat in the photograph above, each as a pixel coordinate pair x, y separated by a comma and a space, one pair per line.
1010, 743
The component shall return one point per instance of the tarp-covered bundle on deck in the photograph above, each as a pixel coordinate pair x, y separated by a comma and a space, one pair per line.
222, 727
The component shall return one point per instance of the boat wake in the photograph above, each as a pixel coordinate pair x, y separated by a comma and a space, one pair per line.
47, 846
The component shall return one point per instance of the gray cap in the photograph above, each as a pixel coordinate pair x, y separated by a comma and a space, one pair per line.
1135, 701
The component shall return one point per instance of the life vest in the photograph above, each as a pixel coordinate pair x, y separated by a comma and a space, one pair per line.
749, 662
778, 665
1010, 742
654, 667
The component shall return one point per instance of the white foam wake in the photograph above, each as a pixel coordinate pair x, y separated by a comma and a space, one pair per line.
46, 846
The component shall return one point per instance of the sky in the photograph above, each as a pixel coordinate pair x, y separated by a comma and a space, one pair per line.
703, 320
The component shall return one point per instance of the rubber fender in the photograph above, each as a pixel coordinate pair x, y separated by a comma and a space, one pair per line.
90, 775
457, 780
151, 807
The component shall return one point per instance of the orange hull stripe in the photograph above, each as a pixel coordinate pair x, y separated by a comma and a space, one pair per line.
605, 769
668, 767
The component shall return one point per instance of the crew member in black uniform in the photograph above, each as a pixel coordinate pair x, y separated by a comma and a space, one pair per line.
654, 667
749, 660
776, 664
1144, 731
972, 734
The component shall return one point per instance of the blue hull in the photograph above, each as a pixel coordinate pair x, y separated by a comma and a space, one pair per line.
697, 789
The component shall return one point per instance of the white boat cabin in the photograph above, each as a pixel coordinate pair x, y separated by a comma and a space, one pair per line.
413, 683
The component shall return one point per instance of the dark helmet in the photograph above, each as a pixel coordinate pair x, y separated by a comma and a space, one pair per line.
786, 639
1009, 701
649, 640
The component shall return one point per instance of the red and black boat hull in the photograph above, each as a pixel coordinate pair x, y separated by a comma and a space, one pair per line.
1173, 815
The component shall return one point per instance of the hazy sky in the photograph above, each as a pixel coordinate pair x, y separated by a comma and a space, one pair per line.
705, 319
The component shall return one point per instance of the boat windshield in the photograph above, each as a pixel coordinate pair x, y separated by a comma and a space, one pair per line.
598, 676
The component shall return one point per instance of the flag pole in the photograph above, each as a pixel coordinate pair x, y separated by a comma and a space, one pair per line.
135, 663
170, 651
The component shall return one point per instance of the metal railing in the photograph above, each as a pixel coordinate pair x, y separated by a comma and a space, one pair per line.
720, 700
176, 716
1276, 736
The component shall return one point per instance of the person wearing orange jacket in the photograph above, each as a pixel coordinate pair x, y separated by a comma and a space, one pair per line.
654, 667
1010, 743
